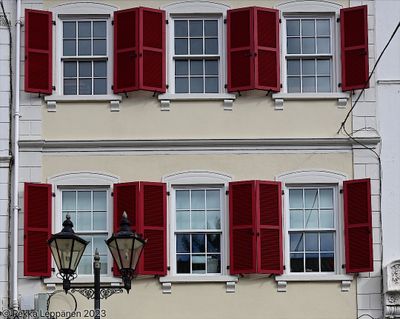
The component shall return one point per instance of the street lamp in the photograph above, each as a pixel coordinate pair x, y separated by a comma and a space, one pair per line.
67, 249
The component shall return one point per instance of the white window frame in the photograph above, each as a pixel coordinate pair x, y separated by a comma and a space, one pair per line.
315, 178
197, 179
81, 11
82, 180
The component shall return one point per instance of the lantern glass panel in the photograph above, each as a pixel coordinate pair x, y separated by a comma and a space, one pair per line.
125, 248
112, 245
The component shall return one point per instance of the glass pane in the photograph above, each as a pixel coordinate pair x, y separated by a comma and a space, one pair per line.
196, 67
98, 242
70, 87
311, 198
68, 200
213, 199
293, 45
182, 243
99, 29
308, 67
308, 45
307, 28
198, 243
326, 219
196, 85
183, 264
296, 262
214, 220
198, 199
213, 243
85, 86
196, 46
85, 265
182, 199
84, 29
100, 221
212, 67
181, 68
311, 220
198, 264
327, 242
100, 69
293, 67
211, 28
324, 84
312, 262
213, 264
84, 221
295, 198
293, 27
181, 46
309, 84
326, 198
69, 47
181, 85
99, 201
104, 265
323, 27
100, 86
99, 47
196, 28
211, 46
323, 45
296, 218
323, 67
182, 220
311, 240
198, 220
211, 85
84, 47
84, 200
181, 28
296, 242
293, 84
69, 29
327, 262
85, 69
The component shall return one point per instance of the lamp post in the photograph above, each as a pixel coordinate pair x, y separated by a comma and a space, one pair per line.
67, 249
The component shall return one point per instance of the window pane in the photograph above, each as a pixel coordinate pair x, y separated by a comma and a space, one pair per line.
308, 45
293, 27
69, 69
100, 69
198, 199
196, 28
323, 45
99, 200
307, 28
84, 47
296, 198
198, 220
100, 221
293, 67
296, 219
312, 262
84, 221
84, 29
182, 220
326, 219
327, 242
323, 27
84, 200
323, 67
214, 220
309, 84
85, 265
100, 86
211, 46
293, 45
181, 68
99, 47
99, 29
85, 86
211, 67
198, 264
181, 28
182, 243
211, 85
327, 262
213, 199
213, 243
181, 46
211, 28
183, 264
69, 47
297, 262
182, 199
311, 218
324, 84
196, 85
326, 198
181, 85
70, 87
294, 84
296, 242
196, 46
196, 67
311, 241
68, 200
308, 67
198, 243
85, 69
98, 242
213, 264
311, 198
69, 29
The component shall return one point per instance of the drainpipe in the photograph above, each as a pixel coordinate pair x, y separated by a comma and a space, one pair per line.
15, 207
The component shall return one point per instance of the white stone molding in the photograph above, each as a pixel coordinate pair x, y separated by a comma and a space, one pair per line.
391, 284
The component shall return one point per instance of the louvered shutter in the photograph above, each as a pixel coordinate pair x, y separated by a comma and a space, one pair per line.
358, 225
152, 50
240, 49
269, 228
354, 47
126, 199
242, 219
38, 51
154, 222
126, 36
37, 229
267, 67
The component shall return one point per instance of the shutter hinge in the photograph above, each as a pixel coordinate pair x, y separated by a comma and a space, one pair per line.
280, 20
53, 87
281, 85
166, 22
283, 192
339, 85
343, 266
338, 20
341, 191
224, 21
284, 267
227, 193
168, 193
53, 194
112, 87
53, 270
54, 22
226, 86
168, 268
112, 22
167, 86
112, 194
228, 267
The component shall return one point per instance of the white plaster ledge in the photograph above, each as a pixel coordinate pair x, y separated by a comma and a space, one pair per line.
52, 100
280, 98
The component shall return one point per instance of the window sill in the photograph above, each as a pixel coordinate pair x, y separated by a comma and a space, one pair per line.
106, 280
166, 98
167, 281
283, 279
341, 98
113, 99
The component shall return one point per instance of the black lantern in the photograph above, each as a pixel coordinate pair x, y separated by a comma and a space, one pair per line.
126, 248
67, 249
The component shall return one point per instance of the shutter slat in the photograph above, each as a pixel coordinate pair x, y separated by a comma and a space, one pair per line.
242, 219
38, 51
354, 47
358, 225
37, 229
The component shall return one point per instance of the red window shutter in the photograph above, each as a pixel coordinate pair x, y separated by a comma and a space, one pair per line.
153, 202
240, 49
358, 225
37, 229
269, 228
152, 50
267, 67
354, 47
38, 51
242, 220
126, 199
126, 37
